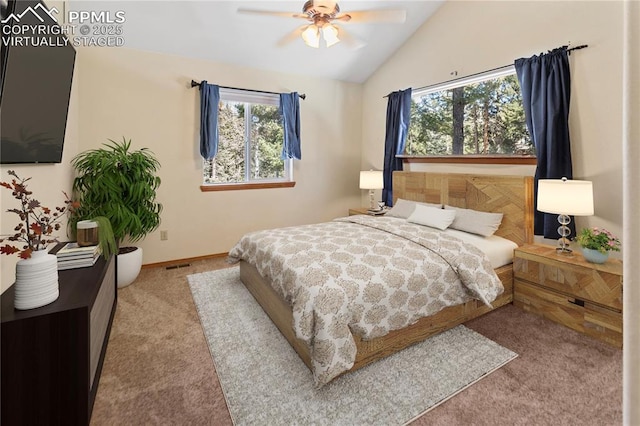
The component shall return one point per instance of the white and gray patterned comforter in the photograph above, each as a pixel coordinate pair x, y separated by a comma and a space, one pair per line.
364, 275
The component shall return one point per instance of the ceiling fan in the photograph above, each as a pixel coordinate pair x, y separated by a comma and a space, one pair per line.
322, 14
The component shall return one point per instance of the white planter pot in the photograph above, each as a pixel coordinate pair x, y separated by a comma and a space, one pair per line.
36, 280
129, 265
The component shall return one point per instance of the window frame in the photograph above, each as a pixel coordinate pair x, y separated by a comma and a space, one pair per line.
525, 159
249, 98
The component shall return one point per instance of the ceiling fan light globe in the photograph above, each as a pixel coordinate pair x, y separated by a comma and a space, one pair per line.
311, 36
332, 42
330, 35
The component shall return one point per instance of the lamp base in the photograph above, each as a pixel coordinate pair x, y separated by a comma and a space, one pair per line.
372, 203
564, 250
564, 231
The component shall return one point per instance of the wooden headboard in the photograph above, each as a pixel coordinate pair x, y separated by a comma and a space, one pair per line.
510, 195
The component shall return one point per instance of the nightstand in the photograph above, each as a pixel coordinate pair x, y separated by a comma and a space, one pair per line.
359, 210
364, 210
567, 289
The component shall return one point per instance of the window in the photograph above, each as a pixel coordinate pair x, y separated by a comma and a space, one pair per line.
250, 141
476, 116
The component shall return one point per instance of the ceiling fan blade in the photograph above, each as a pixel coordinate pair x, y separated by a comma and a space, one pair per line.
292, 36
382, 15
272, 13
349, 40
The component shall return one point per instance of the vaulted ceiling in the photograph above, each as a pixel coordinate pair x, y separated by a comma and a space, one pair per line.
214, 30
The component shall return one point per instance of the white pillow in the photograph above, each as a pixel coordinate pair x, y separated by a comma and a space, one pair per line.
404, 208
433, 217
475, 222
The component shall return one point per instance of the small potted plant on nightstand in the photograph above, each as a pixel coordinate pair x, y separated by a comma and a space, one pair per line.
120, 184
596, 243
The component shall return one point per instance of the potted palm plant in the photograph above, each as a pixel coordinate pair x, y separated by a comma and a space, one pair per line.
119, 184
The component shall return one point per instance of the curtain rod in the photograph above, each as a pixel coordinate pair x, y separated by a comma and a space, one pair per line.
484, 72
195, 83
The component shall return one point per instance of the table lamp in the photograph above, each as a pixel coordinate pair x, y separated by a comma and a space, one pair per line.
371, 180
565, 197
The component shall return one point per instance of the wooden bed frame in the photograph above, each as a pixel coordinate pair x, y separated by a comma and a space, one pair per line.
510, 195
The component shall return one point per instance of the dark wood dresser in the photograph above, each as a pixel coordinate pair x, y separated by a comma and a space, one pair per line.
52, 356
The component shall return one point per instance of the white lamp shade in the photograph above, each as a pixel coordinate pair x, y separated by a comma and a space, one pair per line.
371, 179
568, 197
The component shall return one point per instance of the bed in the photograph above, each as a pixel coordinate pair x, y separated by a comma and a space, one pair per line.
510, 195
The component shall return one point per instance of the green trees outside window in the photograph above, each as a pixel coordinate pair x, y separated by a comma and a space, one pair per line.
480, 118
250, 143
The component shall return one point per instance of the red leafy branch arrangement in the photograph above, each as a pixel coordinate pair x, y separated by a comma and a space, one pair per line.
37, 222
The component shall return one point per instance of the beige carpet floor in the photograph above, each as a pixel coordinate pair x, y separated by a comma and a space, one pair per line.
158, 369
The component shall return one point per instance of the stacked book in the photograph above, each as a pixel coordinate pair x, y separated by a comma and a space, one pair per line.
72, 256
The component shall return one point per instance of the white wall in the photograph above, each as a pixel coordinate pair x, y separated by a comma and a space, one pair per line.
147, 97
474, 36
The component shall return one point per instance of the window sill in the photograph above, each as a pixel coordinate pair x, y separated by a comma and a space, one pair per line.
241, 186
471, 159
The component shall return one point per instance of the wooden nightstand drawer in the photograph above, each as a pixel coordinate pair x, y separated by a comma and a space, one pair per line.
585, 283
583, 316
567, 289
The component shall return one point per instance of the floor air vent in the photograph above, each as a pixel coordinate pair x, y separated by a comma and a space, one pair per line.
183, 265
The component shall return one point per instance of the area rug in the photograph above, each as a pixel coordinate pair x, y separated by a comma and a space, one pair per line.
265, 382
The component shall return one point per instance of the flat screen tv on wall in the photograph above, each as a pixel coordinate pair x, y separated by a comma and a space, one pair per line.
37, 69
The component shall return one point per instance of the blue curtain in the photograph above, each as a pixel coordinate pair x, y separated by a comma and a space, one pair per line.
290, 112
209, 101
398, 117
545, 82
